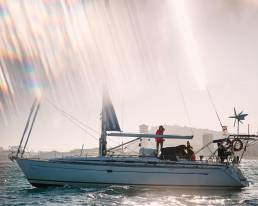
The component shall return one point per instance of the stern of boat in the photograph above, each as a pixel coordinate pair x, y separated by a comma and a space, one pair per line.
234, 172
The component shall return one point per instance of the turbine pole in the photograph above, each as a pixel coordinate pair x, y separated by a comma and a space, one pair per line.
238, 127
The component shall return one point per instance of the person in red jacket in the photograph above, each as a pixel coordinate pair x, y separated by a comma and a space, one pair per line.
159, 140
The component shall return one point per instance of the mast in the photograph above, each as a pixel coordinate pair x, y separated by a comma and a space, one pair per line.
109, 122
103, 136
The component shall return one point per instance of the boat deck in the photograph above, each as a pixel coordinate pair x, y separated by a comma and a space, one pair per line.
133, 160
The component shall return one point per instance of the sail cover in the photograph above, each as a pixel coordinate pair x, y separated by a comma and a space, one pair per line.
109, 119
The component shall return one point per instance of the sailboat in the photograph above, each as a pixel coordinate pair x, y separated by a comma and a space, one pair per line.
108, 169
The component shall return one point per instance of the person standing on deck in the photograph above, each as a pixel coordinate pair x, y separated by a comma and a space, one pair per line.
159, 140
190, 153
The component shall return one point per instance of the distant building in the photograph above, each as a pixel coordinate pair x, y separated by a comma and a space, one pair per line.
145, 142
144, 129
207, 138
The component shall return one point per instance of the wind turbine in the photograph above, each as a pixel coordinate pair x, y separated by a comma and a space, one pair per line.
239, 118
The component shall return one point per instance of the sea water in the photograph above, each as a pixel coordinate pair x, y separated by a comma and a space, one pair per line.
15, 190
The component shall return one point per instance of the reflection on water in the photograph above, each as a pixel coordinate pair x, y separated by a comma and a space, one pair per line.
15, 190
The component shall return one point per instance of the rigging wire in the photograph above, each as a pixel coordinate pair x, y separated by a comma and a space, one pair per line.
75, 121
131, 147
184, 102
214, 107
72, 117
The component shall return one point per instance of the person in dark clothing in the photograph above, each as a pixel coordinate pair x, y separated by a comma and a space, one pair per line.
159, 141
190, 152
188, 146
221, 152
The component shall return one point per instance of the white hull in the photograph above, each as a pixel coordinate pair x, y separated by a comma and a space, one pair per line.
130, 172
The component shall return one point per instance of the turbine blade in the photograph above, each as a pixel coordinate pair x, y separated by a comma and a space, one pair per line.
235, 111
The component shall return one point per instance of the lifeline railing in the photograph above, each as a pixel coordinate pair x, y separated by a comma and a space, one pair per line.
233, 143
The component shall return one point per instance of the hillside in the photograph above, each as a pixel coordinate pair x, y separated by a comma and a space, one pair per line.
197, 142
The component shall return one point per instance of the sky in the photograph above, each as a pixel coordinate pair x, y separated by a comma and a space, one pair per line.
156, 58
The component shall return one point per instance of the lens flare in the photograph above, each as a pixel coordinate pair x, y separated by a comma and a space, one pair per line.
33, 79
29, 75
3, 87
252, 2
189, 40
2, 9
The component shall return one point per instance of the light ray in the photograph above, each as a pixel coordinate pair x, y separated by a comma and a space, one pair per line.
189, 40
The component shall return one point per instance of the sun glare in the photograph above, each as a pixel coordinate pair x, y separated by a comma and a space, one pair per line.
180, 10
